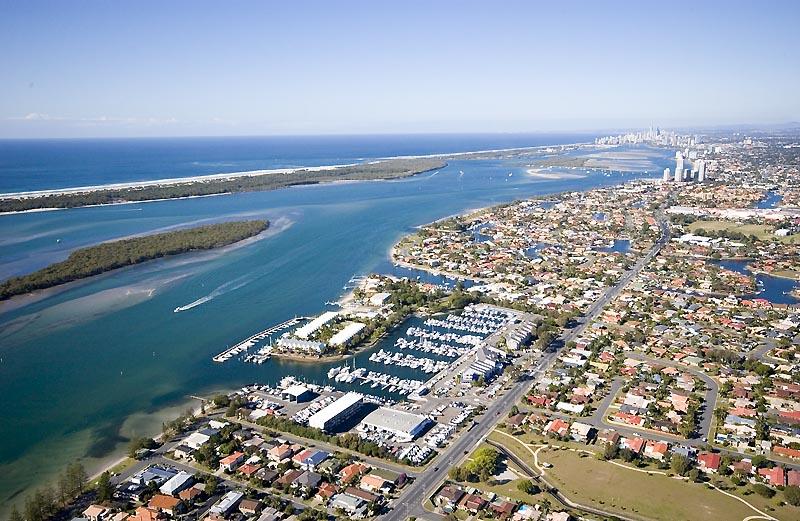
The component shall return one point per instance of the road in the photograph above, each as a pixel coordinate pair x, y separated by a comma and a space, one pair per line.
410, 503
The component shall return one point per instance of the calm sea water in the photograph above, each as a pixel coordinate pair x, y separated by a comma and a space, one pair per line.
105, 359
61, 163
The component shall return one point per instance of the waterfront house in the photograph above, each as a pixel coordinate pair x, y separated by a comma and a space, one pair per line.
96, 513
183, 451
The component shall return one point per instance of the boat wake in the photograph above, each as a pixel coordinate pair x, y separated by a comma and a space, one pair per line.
229, 286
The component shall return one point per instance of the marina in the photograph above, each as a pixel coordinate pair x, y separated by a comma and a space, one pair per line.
375, 379
426, 365
264, 353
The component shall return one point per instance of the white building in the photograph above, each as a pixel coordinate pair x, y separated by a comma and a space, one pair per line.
344, 336
294, 344
226, 505
180, 481
404, 426
309, 329
336, 413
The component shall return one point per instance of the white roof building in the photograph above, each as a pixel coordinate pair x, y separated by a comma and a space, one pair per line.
227, 503
180, 481
344, 336
405, 426
196, 439
378, 299
339, 411
307, 330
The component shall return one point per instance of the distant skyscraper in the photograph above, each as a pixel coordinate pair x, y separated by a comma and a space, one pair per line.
701, 170
667, 175
678, 167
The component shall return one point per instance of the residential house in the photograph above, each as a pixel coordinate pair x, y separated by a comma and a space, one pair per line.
232, 461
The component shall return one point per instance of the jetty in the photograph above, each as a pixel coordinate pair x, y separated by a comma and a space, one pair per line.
246, 344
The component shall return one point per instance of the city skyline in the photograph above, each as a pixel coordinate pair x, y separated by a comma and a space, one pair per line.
127, 70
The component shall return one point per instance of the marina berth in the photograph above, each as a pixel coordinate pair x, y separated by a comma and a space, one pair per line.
254, 340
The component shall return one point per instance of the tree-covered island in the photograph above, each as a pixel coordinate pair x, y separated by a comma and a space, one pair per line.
108, 256
244, 182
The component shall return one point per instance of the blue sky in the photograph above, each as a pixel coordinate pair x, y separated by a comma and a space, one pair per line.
141, 68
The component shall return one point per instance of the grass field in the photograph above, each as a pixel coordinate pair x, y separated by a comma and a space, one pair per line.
763, 232
644, 495
649, 496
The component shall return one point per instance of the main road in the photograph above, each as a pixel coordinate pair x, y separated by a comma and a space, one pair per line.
411, 502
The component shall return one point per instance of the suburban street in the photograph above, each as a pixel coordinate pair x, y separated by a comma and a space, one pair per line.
413, 497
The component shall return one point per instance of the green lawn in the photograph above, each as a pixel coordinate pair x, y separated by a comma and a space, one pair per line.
650, 496
601, 484
763, 232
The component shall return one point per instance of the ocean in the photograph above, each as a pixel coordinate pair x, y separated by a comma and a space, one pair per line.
63, 163
88, 366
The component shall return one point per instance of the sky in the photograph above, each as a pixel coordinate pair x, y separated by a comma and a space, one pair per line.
184, 68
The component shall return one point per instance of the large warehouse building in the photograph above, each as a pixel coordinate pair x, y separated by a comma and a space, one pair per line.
404, 426
343, 409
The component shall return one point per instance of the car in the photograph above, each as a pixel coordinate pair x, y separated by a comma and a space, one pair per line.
435, 469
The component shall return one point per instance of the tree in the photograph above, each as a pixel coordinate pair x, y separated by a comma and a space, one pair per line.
528, 487
16, 516
610, 451
680, 464
628, 455
76, 477
137, 444
484, 463
105, 490
792, 495
211, 484
758, 461
720, 413
763, 490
